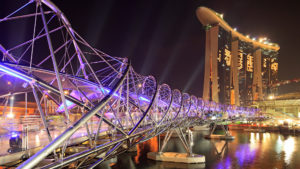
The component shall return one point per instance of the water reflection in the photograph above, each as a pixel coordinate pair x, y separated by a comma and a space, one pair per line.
245, 155
225, 164
148, 146
279, 143
248, 150
170, 165
221, 147
108, 164
288, 148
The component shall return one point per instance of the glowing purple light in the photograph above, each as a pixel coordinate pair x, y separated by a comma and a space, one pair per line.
69, 104
144, 99
77, 95
14, 73
245, 154
14, 135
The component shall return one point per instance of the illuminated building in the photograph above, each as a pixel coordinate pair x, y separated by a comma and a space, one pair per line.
238, 69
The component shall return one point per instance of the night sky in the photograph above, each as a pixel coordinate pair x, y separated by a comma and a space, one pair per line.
163, 38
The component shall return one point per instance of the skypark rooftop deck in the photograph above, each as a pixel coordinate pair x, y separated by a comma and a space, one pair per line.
209, 17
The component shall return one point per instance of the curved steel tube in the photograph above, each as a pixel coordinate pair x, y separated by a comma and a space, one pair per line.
146, 112
39, 156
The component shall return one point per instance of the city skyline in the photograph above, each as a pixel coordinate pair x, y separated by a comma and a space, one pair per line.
149, 27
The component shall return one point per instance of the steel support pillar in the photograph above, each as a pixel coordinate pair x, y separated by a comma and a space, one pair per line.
211, 86
226, 130
55, 66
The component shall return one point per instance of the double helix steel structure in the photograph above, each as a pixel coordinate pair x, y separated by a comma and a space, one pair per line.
70, 103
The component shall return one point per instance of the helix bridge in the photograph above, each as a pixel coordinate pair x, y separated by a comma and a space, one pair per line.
69, 102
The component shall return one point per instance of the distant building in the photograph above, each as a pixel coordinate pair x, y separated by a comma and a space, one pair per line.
238, 69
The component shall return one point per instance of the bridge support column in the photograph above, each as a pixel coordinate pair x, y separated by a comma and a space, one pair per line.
211, 65
257, 77
226, 136
234, 98
187, 157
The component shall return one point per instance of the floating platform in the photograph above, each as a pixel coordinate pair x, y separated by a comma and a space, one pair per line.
176, 157
217, 136
201, 128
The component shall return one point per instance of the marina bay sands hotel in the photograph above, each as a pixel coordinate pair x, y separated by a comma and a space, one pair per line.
238, 69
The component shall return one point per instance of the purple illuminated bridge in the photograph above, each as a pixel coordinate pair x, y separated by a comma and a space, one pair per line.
63, 101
